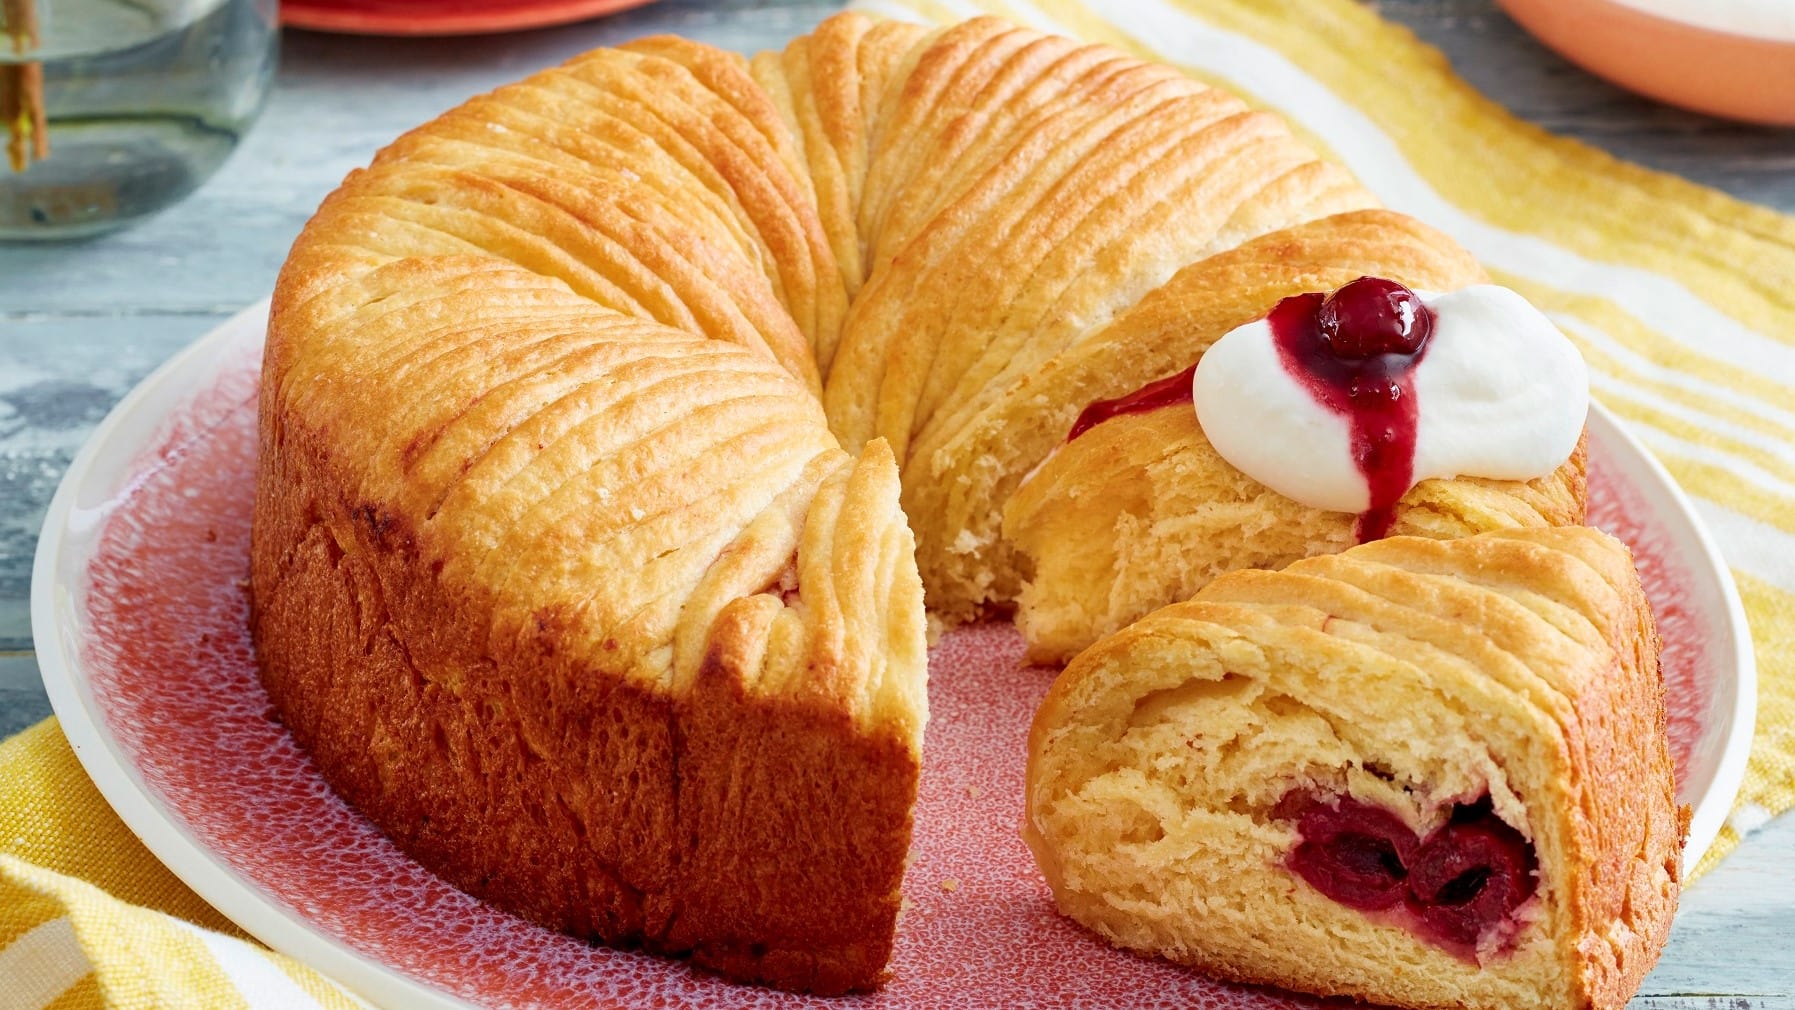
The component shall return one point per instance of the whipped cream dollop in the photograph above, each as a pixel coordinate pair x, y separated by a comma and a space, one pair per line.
1497, 391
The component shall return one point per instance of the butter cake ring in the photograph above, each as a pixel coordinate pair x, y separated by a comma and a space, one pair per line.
613, 423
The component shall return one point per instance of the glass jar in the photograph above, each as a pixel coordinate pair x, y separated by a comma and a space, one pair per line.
111, 110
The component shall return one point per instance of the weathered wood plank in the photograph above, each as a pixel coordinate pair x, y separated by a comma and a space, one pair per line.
59, 375
1735, 928
22, 698
1705, 1002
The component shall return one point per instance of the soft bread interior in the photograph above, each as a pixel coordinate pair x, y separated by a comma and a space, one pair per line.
1141, 510
1489, 666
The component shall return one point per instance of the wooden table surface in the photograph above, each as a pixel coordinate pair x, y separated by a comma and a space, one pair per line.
81, 323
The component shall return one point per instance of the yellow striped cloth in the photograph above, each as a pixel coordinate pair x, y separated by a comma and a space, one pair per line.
1682, 299
90, 920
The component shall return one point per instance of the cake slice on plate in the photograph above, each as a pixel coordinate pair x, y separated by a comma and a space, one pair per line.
1430, 773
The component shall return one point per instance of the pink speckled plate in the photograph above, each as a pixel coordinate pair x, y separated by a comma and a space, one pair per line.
138, 611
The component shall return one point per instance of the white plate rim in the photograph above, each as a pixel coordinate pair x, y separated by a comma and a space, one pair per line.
258, 913
1709, 814
118, 780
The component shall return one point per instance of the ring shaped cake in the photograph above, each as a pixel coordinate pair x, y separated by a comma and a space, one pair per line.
614, 422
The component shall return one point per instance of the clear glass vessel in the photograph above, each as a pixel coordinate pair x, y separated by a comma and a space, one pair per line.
111, 110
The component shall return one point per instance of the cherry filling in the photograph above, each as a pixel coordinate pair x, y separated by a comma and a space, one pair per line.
1470, 875
1355, 853
1458, 882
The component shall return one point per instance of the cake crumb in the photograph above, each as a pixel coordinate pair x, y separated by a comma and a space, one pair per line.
973, 792
933, 629
950, 885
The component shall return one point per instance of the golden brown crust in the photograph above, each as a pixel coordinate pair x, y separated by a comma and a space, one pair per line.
1628, 829
569, 795
1025, 191
798, 779
479, 408
1141, 511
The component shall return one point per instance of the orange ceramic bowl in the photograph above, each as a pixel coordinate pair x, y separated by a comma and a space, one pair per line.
1708, 69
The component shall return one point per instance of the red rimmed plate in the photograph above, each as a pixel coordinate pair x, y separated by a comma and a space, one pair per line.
442, 17
138, 611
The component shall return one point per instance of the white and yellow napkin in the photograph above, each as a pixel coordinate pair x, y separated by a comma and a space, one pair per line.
90, 920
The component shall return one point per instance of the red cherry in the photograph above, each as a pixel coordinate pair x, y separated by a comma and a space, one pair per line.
1468, 876
1373, 316
1457, 883
1354, 853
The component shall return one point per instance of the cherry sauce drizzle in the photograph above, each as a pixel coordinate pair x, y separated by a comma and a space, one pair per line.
1374, 391
1159, 393
1376, 395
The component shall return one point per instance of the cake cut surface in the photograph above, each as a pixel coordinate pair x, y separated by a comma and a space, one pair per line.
1424, 773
